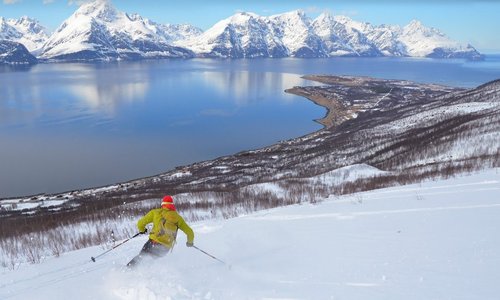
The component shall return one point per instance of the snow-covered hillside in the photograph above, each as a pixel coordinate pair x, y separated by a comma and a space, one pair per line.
342, 40
98, 31
26, 31
295, 30
15, 53
435, 240
296, 35
241, 35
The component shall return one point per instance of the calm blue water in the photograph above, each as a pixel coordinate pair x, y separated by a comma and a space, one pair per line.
69, 126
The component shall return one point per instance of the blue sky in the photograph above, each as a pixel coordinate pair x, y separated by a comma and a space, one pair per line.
468, 21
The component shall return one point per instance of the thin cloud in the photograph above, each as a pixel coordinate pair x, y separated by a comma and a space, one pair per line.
349, 13
81, 2
9, 2
75, 2
313, 10
45, 2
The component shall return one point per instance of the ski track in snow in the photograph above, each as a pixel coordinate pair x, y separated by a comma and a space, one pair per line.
383, 97
341, 216
434, 240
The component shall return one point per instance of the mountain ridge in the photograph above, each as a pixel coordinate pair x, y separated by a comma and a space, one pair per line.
97, 31
15, 53
26, 31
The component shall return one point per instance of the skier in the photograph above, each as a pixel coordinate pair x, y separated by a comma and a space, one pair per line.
166, 221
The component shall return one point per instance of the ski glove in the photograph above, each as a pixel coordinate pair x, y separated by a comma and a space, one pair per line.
189, 244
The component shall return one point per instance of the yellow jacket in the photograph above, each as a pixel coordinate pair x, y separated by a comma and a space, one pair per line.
166, 222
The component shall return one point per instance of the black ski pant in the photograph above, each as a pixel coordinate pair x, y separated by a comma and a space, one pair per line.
150, 248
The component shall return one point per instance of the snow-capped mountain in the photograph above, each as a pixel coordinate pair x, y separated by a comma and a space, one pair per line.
250, 35
166, 32
386, 39
295, 30
294, 34
422, 41
414, 40
15, 53
241, 35
324, 26
176, 32
26, 31
342, 40
97, 31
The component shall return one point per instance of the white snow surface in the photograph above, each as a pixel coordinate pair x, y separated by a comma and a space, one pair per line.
421, 41
96, 24
99, 29
434, 240
24, 30
342, 175
326, 35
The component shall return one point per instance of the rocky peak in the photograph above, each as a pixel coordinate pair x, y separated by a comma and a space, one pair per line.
416, 27
291, 15
99, 9
325, 17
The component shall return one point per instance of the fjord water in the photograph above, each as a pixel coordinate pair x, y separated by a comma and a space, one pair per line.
69, 126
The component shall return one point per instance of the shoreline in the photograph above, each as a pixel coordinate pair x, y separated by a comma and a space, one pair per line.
350, 100
338, 110
335, 110
329, 120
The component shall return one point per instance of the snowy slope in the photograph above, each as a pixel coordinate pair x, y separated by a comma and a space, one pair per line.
250, 35
339, 29
241, 35
422, 41
414, 39
98, 31
294, 34
26, 31
175, 32
435, 240
15, 53
295, 30
330, 32
385, 39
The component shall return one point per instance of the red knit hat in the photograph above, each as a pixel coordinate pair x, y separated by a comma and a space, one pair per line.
168, 202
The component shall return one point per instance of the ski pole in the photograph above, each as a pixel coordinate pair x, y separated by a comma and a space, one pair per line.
93, 258
209, 255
